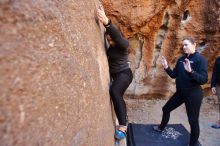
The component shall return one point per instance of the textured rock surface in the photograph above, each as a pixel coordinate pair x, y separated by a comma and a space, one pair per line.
156, 28
53, 75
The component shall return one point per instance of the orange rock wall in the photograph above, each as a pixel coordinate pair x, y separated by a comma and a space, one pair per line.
155, 28
54, 75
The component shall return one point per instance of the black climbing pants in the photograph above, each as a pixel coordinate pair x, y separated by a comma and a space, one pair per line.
192, 99
120, 82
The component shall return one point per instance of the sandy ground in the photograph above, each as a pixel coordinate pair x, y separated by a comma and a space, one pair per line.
150, 112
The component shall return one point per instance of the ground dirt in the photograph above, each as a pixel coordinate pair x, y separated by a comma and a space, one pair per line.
150, 112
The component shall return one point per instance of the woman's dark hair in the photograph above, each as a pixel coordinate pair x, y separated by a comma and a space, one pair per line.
191, 39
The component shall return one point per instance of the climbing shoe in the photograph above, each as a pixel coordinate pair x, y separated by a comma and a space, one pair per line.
216, 126
120, 134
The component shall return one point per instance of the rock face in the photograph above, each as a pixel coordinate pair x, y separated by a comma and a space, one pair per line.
53, 75
156, 28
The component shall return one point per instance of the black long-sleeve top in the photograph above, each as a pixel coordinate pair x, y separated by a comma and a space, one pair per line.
117, 54
186, 80
216, 73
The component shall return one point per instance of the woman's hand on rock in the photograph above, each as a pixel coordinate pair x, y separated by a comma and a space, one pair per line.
101, 15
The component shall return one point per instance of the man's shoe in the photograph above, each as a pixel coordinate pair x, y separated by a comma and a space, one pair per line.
156, 128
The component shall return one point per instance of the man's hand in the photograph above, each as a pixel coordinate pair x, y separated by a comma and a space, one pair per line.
101, 15
187, 65
214, 90
164, 62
